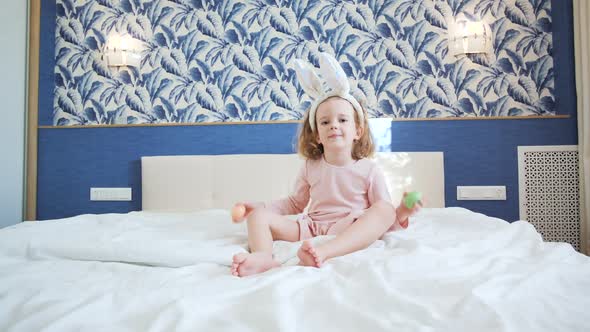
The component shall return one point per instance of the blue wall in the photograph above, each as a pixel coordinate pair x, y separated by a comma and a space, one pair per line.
477, 152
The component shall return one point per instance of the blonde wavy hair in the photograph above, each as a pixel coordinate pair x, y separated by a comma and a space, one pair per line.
309, 148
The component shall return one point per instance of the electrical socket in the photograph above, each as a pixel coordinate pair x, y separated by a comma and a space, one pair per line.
481, 193
110, 194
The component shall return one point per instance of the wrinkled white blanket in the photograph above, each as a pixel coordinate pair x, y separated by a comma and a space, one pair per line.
451, 270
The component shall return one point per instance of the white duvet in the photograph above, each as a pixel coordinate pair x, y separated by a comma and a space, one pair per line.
451, 270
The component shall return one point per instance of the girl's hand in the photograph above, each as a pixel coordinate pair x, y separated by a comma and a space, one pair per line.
241, 210
403, 213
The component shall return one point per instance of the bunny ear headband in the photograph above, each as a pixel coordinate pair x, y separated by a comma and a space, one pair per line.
336, 80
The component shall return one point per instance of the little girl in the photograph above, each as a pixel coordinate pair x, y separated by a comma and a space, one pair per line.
349, 197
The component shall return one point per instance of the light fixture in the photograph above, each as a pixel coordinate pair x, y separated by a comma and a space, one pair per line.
467, 37
122, 50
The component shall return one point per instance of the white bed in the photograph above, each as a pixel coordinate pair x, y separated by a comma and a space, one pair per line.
164, 270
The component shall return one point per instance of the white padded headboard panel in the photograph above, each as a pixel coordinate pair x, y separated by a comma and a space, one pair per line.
188, 183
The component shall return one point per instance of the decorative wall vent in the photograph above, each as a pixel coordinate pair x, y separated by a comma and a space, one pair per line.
549, 191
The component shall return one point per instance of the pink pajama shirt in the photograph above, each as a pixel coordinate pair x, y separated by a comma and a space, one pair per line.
338, 195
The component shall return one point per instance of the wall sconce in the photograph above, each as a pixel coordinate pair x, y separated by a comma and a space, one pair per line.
470, 37
122, 51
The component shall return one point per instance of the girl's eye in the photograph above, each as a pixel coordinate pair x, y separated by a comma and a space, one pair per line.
343, 120
324, 122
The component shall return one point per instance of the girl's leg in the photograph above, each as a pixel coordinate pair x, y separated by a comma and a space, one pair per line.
363, 232
263, 227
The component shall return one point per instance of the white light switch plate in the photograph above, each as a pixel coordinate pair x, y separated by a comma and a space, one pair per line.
483, 193
110, 194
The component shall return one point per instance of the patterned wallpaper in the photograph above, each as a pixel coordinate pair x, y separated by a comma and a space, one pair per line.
227, 60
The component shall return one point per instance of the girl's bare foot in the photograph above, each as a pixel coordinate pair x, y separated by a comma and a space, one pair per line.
309, 256
245, 264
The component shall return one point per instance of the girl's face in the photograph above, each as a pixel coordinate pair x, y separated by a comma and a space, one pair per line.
336, 125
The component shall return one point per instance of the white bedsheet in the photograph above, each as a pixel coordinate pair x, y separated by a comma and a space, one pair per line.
451, 270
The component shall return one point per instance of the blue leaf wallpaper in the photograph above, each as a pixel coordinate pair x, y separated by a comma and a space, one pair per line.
227, 60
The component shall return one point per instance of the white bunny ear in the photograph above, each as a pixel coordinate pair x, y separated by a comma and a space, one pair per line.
333, 74
309, 80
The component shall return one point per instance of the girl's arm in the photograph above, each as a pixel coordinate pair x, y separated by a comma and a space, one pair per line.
297, 201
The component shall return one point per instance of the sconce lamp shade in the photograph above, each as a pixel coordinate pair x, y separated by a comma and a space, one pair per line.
122, 51
470, 37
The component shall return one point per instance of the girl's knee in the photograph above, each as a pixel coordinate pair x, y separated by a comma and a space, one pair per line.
259, 215
385, 212
383, 207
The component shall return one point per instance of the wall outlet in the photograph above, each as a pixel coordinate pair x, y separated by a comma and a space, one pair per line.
110, 194
481, 193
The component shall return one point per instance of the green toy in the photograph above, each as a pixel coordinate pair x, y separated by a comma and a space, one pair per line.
412, 198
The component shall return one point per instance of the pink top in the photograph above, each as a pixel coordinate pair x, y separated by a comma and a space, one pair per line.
336, 192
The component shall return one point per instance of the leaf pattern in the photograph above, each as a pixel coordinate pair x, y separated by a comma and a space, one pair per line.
230, 60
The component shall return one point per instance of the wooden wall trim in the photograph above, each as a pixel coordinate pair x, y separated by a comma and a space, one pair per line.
33, 109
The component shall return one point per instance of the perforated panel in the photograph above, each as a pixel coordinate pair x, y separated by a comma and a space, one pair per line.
549, 191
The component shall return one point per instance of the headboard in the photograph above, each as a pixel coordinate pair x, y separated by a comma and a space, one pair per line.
189, 183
